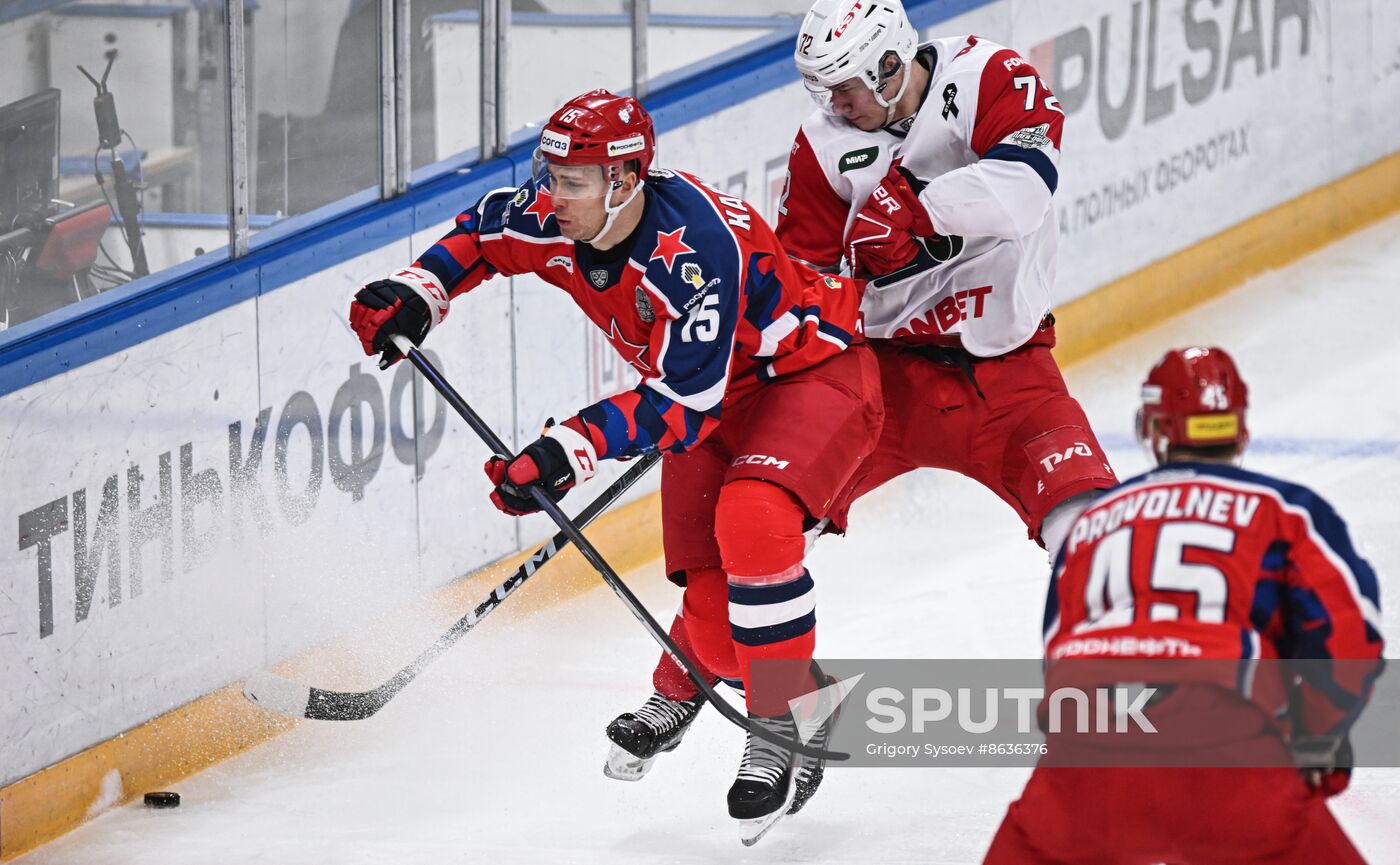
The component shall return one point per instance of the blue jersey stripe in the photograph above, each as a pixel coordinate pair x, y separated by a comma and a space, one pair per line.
1036, 159
763, 292
442, 264
832, 330
1052, 595
1268, 600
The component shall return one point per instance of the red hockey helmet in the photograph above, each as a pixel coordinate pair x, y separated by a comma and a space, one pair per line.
599, 128
585, 145
1193, 397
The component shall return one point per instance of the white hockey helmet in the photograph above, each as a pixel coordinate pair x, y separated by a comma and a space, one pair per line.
844, 39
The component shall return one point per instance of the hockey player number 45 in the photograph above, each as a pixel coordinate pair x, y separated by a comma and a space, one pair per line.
1108, 595
1028, 83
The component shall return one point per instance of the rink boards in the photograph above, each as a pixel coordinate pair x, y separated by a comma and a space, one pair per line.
208, 478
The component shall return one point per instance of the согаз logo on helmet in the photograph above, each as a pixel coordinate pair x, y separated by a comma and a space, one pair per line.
552, 142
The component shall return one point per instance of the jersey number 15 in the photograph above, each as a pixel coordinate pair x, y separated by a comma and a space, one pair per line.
703, 321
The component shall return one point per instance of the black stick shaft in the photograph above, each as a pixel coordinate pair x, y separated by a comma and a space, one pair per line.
600, 564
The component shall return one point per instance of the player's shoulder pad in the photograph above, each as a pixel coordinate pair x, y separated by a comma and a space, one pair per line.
968, 55
1293, 494
969, 69
1326, 525
688, 246
840, 148
525, 212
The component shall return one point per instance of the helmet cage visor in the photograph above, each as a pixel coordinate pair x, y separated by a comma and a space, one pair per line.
571, 181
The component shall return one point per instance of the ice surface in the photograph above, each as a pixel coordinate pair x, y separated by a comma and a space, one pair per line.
495, 755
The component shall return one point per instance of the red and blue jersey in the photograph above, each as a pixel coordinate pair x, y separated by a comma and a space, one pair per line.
1216, 562
705, 305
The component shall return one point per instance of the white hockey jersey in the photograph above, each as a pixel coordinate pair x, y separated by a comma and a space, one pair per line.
987, 141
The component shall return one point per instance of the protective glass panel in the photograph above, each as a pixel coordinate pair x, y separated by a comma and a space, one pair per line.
107, 178
313, 105
445, 75
559, 49
685, 35
702, 39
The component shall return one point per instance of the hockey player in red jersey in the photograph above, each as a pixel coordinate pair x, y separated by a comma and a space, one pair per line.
753, 383
1226, 566
929, 169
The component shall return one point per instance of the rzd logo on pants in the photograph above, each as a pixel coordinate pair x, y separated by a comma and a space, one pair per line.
1078, 449
1064, 456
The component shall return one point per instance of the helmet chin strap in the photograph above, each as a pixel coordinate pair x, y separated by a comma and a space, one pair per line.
1153, 444
614, 211
1158, 448
893, 105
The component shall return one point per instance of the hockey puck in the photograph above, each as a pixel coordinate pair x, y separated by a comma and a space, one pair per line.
162, 800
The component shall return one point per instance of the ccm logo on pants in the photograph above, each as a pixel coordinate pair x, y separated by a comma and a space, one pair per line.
759, 460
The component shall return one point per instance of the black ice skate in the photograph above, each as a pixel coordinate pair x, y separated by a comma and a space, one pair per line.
774, 782
763, 792
639, 737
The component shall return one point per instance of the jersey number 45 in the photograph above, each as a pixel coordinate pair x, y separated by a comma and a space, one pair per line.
1109, 598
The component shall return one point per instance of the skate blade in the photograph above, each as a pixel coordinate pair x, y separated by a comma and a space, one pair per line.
752, 831
625, 766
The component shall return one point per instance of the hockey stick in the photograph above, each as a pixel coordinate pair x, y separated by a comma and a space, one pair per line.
305, 701
571, 530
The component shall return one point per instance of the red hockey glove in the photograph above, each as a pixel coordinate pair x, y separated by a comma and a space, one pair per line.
554, 462
883, 237
409, 302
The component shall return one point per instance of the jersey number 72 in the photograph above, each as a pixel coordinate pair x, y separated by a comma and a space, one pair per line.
1028, 83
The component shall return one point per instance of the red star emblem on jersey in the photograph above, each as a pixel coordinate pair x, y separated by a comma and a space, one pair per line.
631, 352
542, 208
670, 246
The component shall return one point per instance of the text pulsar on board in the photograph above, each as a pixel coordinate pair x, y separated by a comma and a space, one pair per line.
1220, 42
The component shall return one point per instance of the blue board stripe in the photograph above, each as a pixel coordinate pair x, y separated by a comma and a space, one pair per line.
125, 316
555, 19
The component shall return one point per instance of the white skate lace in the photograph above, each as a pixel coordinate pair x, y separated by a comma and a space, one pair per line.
763, 761
664, 715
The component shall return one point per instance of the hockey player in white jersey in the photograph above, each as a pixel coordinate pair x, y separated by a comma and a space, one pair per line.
929, 170
932, 169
